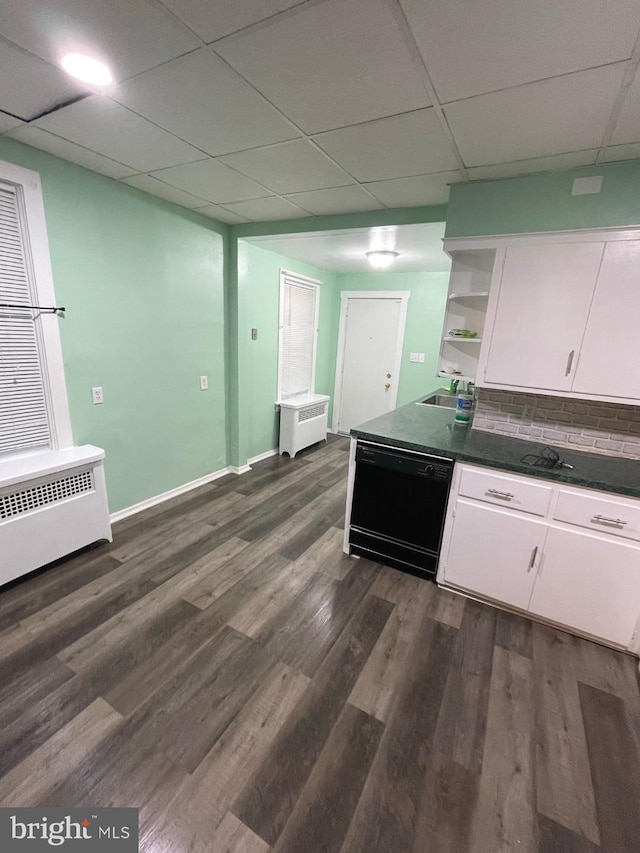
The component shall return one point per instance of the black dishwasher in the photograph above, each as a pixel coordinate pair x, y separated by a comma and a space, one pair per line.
399, 505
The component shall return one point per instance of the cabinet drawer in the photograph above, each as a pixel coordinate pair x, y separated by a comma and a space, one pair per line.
512, 492
619, 518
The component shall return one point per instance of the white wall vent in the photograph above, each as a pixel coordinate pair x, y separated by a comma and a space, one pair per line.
26, 500
303, 421
312, 412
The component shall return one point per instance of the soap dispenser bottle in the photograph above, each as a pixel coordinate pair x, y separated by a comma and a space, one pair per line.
464, 404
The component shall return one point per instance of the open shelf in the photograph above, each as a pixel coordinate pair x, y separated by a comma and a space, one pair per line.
466, 308
470, 295
459, 376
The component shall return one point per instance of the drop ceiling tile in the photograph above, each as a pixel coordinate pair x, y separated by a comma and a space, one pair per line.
214, 211
289, 167
336, 200
471, 48
539, 164
212, 21
262, 209
412, 192
330, 64
129, 36
221, 113
564, 114
153, 186
630, 151
29, 86
37, 138
396, 147
213, 181
102, 125
8, 123
627, 127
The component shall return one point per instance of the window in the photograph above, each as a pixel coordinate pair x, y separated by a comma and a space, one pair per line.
299, 298
33, 403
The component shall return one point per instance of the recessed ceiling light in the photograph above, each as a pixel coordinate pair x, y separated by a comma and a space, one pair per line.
87, 69
382, 259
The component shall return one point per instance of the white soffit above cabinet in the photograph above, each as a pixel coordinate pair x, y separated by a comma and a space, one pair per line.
323, 106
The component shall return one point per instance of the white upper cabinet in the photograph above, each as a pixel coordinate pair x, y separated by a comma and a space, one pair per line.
610, 353
543, 303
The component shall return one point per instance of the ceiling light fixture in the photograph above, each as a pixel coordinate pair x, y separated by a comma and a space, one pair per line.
87, 69
380, 260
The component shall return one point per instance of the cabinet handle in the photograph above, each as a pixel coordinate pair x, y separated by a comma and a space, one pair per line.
602, 519
497, 494
569, 362
533, 559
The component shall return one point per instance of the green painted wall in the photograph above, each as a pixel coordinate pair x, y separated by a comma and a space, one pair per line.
259, 285
142, 281
340, 221
543, 202
423, 331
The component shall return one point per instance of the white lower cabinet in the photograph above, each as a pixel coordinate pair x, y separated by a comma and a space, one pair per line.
494, 552
549, 566
589, 582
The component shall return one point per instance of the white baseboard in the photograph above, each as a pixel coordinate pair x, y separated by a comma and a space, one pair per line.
262, 456
234, 469
173, 493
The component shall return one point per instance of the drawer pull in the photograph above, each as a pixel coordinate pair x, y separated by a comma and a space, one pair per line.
602, 519
498, 494
533, 559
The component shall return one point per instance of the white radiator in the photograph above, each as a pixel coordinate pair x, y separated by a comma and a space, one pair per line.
51, 503
303, 421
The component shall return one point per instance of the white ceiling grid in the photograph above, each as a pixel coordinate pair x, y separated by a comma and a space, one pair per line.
248, 111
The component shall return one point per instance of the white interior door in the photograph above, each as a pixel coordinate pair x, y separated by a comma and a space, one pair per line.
372, 334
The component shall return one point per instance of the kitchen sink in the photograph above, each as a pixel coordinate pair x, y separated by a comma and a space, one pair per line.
445, 399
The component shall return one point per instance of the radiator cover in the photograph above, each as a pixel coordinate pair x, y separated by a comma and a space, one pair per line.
51, 504
303, 421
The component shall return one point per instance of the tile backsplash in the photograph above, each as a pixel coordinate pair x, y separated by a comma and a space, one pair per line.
608, 428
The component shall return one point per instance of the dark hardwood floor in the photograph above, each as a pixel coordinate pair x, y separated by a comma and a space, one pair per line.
223, 667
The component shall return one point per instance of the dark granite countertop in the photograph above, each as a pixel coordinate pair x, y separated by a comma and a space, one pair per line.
433, 430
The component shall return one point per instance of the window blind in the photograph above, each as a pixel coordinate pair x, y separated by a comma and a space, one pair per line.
24, 419
298, 336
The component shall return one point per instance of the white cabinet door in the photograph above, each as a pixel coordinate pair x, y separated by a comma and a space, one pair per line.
494, 552
543, 304
589, 582
609, 363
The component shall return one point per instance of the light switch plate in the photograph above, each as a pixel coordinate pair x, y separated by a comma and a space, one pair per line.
586, 186
204, 383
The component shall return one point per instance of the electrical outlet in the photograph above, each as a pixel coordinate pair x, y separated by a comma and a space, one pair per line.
414, 356
97, 395
527, 412
204, 383
254, 334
